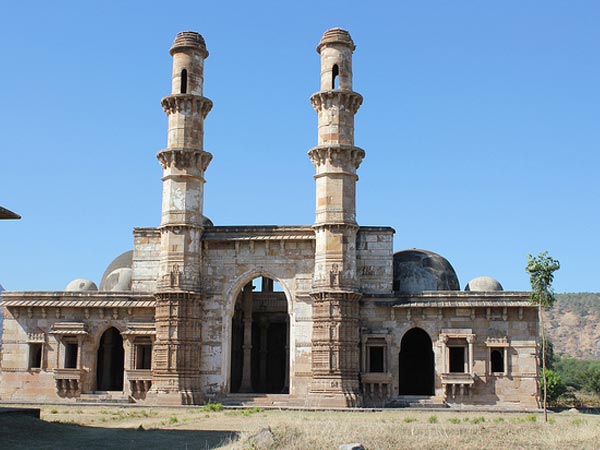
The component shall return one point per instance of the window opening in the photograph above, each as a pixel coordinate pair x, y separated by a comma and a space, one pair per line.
376, 359
184, 81
497, 361
143, 356
334, 74
70, 355
35, 356
457, 359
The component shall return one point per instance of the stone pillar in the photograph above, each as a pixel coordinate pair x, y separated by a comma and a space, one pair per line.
263, 354
470, 341
176, 354
286, 381
335, 294
246, 384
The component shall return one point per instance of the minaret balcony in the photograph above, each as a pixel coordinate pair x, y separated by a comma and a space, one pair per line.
336, 158
187, 104
339, 98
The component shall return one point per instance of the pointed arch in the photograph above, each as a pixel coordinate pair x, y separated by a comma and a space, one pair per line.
417, 364
184, 81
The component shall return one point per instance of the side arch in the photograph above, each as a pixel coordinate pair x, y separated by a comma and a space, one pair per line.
416, 363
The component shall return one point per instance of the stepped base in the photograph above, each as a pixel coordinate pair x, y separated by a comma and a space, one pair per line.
261, 400
416, 401
104, 397
174, 398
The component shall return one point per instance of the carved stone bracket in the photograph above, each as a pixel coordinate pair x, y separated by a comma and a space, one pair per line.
337, 155
341, 98
183, 158
187, 103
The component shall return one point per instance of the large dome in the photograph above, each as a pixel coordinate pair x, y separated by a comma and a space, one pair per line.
421, 270
483, 284
123, 261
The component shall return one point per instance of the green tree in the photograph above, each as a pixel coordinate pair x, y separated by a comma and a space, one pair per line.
554, 384
541, 270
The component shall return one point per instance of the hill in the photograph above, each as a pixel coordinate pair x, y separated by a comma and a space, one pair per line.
573, 325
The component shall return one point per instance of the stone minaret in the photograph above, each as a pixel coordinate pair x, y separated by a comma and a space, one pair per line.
176, 358
335, 295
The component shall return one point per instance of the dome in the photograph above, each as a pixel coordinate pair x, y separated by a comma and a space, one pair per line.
124, 260
421, 270
336, 36
189, 39
81, 285
483, 284
118, 280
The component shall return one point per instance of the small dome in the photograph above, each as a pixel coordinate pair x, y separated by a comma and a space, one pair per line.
421, 270
189, 39
124, 260
81, 285
118, 280
483, 284
336, 36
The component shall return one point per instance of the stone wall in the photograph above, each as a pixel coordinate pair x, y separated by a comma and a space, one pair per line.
85, 322
511, 323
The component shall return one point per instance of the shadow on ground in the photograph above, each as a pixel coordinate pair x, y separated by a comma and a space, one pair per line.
23, 432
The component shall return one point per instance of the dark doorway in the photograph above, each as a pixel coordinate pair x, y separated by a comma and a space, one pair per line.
109, 370
416, 364
259, 339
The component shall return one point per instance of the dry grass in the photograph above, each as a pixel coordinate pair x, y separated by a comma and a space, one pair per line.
201, 428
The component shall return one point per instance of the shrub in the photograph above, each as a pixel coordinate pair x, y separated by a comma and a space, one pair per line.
433, 419
478, 420
173, 419
454, 420
530, 418
212, 407
409, 419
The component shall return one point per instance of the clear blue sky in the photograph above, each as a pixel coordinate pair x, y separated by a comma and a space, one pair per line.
480, 123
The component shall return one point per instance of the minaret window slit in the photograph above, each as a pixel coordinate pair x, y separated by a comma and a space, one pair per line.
334, 74
184, 81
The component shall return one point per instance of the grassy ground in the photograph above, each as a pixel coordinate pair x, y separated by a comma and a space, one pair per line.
101, 427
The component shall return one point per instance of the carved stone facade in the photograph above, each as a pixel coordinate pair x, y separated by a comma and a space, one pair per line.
321, 315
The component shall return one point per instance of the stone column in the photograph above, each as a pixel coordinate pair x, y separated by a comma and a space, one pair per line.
286, 381
470, 341
246, 384
263, 354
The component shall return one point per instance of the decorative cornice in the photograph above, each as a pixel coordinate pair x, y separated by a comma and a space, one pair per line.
184, 158
187, 103
336, 155
337, 97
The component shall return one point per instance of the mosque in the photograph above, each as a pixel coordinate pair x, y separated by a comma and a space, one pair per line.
321, 315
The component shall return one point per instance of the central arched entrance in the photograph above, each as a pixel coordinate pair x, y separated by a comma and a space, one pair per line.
109, 368
416, 364
260, 339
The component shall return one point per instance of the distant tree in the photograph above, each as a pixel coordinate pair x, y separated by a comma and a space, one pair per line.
592, 379
541, 270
